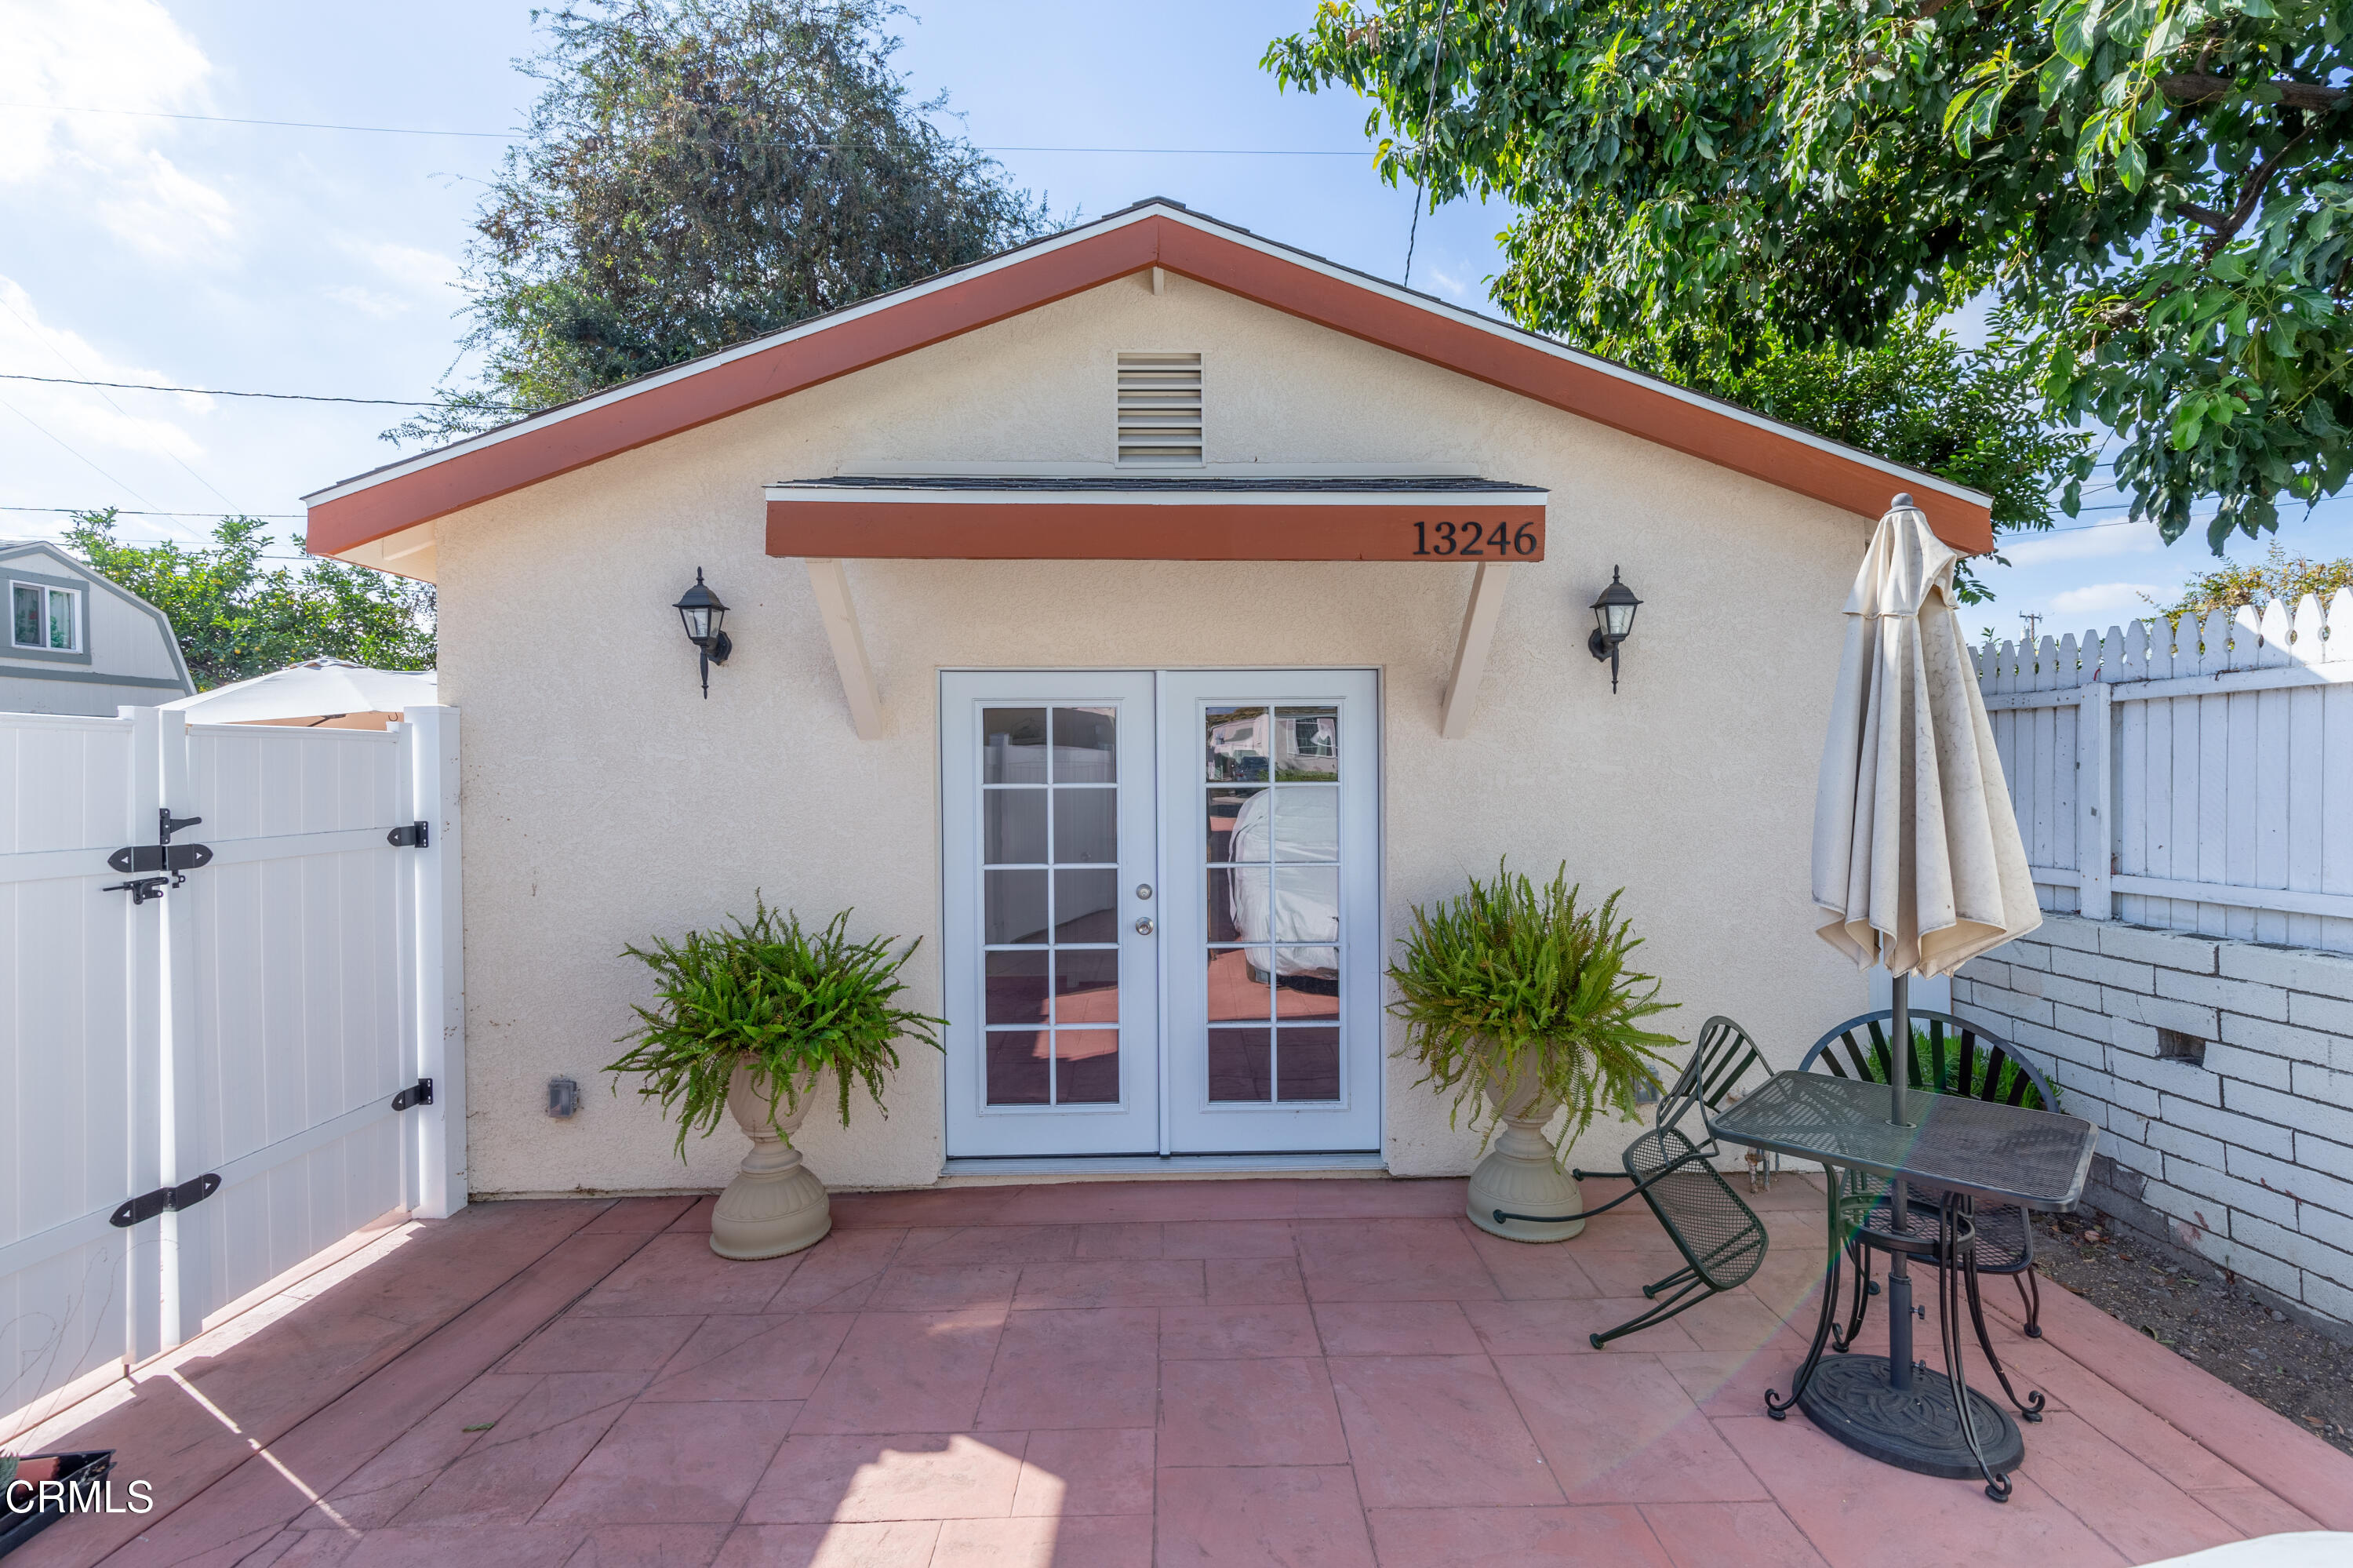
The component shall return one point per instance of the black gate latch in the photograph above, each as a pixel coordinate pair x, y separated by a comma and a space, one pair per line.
417, 835
147, 1205
417, 1094
173, 860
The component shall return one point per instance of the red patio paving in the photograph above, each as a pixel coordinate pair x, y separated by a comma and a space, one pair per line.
1245, 1373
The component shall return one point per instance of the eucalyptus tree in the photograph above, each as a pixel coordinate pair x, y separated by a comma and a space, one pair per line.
2157, 194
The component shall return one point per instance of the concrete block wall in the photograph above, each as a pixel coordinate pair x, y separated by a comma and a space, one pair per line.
2232, 1134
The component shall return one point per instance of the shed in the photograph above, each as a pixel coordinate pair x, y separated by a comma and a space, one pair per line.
77, 643
1148, 619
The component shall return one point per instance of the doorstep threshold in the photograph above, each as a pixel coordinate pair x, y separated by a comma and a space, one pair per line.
1350, 1163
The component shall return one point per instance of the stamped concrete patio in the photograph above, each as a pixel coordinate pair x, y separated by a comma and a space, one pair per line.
1238, 1372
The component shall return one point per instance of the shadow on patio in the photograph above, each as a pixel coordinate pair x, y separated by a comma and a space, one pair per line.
1233, 1373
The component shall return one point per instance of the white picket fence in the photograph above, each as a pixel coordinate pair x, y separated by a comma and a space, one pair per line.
202, 1043
2196, 777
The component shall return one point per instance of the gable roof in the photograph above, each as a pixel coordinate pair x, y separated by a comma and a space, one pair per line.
1154, 233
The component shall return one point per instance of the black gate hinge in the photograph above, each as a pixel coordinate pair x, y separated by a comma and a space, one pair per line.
163, 1200
417, 1094
417, 835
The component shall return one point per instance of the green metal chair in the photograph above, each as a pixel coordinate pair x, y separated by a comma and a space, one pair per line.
1720, 1238
1949, 1056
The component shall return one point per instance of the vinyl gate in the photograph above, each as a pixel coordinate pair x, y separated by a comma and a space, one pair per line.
228, 961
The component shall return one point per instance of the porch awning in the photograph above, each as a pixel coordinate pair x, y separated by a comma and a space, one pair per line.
1422, 518
1157, 517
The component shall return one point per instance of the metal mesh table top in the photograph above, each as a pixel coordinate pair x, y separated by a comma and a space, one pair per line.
1957, 1144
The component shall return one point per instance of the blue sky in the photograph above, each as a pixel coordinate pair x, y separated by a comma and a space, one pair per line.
187, 252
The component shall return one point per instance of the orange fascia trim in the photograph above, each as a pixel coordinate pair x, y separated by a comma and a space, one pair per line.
1115, 531
530, 455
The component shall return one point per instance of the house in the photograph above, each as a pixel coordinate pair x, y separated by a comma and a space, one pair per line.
77, 643
1145, 619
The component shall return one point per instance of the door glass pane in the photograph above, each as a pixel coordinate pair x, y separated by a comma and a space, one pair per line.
1049, 799
1016, 907
1307, 823
1086, 1066
1017, 987
1020, 1066
1086, 985
1305, 984
1251, 838
1238, 988
1083, 741
1236, 738
1086, 827
1306, 744
1086, 905
25, 614
1307, 1063
1013, 746
61, 619
1226, 808
1241, 1065
1013, 827
1236, 908
1306, 904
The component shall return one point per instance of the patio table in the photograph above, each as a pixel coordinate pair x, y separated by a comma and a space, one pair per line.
1962, 1150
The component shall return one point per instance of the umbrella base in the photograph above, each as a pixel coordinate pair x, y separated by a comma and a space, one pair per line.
1917, 1429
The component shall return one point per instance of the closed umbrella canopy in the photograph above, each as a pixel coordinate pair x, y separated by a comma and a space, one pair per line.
1917, 861
314, 689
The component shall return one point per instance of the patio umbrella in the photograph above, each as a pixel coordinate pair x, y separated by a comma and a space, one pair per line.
317, 688
1917, 861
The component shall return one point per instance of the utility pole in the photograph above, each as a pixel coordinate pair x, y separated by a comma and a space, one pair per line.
2033, 625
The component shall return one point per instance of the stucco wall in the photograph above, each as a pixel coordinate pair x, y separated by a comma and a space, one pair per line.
605, 799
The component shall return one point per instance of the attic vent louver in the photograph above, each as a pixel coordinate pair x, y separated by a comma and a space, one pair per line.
1159, 409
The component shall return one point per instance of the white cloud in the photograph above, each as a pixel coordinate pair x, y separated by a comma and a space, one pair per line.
83, 417
2113, 600
2082, 544
1447, 284
124, 54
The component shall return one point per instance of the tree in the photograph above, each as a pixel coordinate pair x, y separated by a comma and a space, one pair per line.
237, 619
1920, 399
700, 172
2158, 193
2279, 576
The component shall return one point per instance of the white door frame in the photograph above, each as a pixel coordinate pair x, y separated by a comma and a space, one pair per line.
1352, 1123
1163, 1107
975, 1129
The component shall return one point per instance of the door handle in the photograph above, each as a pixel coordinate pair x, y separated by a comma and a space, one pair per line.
1144, 927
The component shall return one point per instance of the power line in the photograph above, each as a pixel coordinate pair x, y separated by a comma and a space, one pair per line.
216, 392
511, 135
126, 512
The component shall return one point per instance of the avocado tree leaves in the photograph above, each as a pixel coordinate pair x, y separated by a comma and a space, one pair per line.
2157, 194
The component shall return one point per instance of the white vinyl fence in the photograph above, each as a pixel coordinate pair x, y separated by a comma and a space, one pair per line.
2193, 777
228, 959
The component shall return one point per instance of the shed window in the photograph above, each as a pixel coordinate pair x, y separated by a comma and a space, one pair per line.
41, 616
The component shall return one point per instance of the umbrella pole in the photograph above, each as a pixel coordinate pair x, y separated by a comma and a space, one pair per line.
1899, 1197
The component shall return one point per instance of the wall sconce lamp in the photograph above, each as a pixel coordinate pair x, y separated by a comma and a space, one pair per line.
700, 609
1613, 614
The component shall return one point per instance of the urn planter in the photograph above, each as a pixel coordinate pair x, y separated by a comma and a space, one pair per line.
775, 1204
1519, 1174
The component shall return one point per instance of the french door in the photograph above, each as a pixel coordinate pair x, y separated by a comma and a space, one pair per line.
1162, 911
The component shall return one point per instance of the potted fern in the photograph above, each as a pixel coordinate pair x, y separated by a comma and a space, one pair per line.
751, 1019
1518, 995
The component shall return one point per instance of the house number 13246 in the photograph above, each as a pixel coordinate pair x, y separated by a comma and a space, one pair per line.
1471, 539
